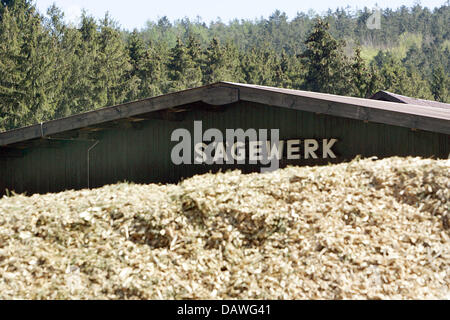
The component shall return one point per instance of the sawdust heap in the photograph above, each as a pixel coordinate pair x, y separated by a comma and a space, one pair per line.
360, 230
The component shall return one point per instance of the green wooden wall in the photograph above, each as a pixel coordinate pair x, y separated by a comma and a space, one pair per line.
141, 152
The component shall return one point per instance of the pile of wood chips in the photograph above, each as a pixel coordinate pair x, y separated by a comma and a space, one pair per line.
360, 230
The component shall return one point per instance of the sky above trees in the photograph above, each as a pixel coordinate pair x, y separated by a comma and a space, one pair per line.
135, 13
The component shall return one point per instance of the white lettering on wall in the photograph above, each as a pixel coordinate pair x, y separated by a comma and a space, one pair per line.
238, 151
293, 149
255, 151
243, 147
326, 149
311, 147
276, 150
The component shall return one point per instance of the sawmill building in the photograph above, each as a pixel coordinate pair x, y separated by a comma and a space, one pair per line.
135, 141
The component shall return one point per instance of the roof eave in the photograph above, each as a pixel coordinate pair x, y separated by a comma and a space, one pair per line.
222, 93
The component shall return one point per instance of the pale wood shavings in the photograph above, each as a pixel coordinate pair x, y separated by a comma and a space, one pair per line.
360, 230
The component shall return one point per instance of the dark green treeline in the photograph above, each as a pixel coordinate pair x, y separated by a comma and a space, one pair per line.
51, 69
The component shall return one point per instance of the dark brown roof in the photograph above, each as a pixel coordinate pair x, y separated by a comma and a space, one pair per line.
405, 115
393, 97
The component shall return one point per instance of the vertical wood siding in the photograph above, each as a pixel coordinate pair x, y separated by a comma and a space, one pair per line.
142, 152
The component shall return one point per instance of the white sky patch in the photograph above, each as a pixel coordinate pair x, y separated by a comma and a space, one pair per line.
72, 14
135, 13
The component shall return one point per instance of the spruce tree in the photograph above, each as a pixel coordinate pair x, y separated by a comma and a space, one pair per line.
138, 59
195, 54
396, 78
439, 85
112, 66
157, 71
327, 66
222, 63
250, 66
262, 66
29, 83
283, 72
183, 73
360, 76
214, 63
194, 50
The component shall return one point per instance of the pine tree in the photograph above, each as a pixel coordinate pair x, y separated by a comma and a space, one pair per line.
283, 76
183, 73
392, 74
214, 66
159, 55
261, 66
232, 63
195, 54
374, 85
138, 55
250, 66
29, 83
194, 50
439, 85
177, 66
8, 3
221, 63
360, 76
80, 50
64, 44
327, 66
112, 66
12, 109
396, 78
11, 4
136, 51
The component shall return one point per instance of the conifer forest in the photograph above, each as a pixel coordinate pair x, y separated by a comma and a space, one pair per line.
51, 69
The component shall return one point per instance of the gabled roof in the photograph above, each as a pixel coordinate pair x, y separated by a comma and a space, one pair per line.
399, 114
393, 97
